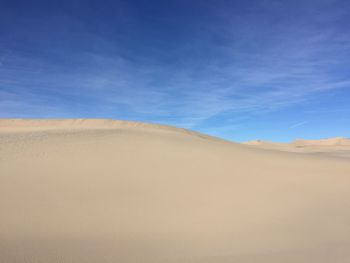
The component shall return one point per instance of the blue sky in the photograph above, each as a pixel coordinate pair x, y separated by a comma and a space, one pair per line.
242, 70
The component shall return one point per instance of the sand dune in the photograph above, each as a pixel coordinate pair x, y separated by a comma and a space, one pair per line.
338, 141
338, 147
115, 191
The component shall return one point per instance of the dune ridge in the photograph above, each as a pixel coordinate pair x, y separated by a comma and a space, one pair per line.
341, 141
335, 147
18, 125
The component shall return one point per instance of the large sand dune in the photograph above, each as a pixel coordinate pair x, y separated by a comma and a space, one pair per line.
103, 191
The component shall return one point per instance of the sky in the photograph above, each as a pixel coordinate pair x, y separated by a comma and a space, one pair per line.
241, 70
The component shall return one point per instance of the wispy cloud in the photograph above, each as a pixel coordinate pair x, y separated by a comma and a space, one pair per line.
3, 58
260, 66
298, 124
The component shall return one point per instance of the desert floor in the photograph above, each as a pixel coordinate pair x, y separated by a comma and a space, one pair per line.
103, 191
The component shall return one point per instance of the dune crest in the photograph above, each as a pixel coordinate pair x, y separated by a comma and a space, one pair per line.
78, 123
337, 141
335, 147
18, 125
341, 141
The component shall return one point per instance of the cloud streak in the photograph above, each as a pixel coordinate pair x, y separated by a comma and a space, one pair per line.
298, 124
259, 66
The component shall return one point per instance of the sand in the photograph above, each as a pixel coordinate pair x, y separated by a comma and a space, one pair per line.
338, 146
114, 191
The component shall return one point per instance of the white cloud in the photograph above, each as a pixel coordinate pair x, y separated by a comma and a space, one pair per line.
261, 67
298, 124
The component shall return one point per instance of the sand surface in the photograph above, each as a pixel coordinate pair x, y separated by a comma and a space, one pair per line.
338, 146
103, 191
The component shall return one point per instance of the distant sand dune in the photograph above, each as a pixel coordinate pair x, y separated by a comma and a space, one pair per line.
103, 191
338, 141
338, 146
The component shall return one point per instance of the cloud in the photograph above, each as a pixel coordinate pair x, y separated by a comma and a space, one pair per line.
3, 57
259, 66
298, 124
